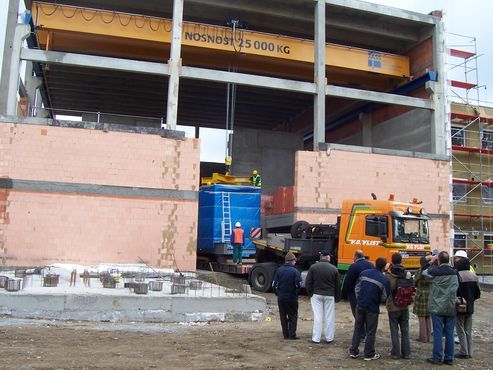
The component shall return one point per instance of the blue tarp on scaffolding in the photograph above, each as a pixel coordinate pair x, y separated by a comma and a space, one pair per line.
244, 207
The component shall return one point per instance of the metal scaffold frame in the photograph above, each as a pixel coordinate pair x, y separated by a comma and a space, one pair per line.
472, 167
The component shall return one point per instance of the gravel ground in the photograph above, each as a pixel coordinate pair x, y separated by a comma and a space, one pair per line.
216, 345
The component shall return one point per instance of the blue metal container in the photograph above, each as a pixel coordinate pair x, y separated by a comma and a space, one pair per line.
220, 207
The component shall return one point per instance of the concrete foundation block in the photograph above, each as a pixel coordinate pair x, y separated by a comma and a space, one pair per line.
122, 305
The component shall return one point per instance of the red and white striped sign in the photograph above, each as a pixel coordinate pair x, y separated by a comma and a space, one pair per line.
255, 233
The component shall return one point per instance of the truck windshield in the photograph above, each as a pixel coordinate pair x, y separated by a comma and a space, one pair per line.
410, 230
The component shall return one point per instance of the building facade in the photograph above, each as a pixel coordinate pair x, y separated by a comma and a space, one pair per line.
366, 77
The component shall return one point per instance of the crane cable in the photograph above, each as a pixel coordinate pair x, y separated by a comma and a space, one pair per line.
231, 94
230, 114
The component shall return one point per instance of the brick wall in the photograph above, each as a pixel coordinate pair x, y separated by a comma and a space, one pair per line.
421, 58
121, 219
322, 181
64, 154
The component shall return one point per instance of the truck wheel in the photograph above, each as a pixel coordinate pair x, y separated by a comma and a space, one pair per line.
262, 275
298, 228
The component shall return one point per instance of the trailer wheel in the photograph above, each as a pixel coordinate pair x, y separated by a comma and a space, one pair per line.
298, 228
262, 275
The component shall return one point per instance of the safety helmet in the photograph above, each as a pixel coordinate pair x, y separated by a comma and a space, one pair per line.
462, 254
254, 172
237, 224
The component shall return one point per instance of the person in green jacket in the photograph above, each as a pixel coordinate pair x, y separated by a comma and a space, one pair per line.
444, 282
420, 307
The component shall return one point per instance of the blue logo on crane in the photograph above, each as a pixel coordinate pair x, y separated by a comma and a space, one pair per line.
375, 59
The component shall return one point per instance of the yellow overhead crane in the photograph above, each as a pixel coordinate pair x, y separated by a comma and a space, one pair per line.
75, 29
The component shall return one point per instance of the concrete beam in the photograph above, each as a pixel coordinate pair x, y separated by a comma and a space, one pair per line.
319, 76
33, 83
11, 21
22, 31
380, 10
248, 80
379, 97
91, 61
174, 64
440, 124
97, 190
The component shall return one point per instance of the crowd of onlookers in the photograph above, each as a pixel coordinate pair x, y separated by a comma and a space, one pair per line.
442, 296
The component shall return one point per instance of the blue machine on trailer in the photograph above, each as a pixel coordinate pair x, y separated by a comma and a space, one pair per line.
220, 207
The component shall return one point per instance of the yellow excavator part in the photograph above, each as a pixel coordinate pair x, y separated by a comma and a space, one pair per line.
218, 178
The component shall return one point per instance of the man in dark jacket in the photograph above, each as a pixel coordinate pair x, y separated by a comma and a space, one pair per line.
398, 315
360, 264
441, 304
469, 291
322, 284
287, 281
372, 288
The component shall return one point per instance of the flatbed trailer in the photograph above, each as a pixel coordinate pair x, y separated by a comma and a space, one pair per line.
379, 228
225, 265
270, 254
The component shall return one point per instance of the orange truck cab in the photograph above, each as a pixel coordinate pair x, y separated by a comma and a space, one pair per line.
381, 228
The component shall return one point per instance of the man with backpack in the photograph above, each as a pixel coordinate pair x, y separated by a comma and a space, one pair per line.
402, 291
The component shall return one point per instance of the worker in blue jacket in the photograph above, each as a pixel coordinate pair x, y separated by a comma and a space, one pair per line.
287, 281
360, 264
373, 288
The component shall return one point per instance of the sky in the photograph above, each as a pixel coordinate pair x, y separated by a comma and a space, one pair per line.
470, 18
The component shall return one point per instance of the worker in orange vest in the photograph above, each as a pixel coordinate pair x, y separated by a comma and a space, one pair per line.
237, 241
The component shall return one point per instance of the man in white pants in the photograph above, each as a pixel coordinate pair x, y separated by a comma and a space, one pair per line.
322, 284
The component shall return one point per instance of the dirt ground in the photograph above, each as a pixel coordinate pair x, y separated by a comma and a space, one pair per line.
216, 345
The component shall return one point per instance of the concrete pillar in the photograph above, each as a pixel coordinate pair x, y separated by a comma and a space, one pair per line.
365, 119
32, 84
319, 78
440, 125
440, 121
174, 64
11, 22
22, 31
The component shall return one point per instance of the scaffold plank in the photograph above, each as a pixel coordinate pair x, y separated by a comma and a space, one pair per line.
462, 84
461, 53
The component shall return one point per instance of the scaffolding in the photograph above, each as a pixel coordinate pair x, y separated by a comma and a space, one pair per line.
472, 157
